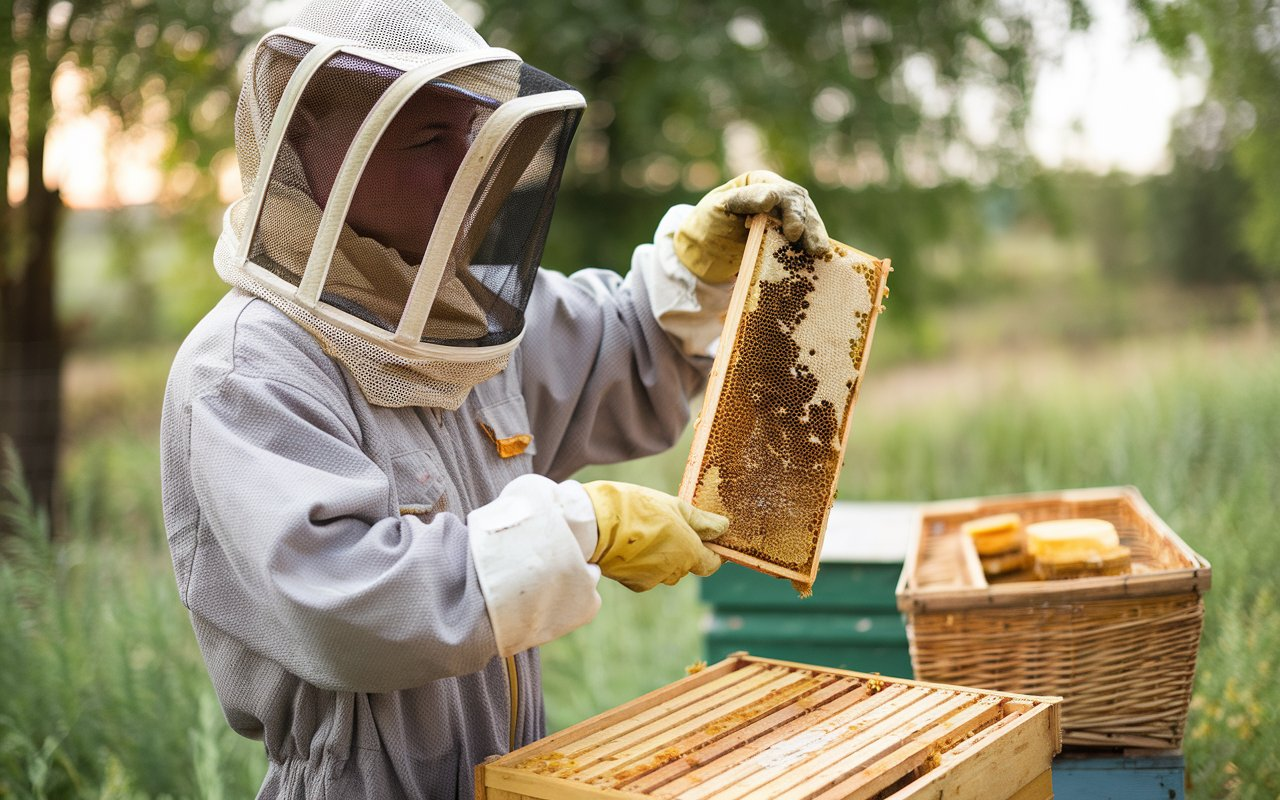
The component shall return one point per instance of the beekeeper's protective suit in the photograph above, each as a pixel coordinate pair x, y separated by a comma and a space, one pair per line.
366, 444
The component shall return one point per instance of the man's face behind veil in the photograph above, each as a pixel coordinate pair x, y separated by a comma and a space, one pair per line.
407, 175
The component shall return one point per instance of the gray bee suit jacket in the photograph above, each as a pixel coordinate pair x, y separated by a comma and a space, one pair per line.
320, 543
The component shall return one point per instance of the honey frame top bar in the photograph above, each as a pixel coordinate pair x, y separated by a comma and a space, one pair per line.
759, 727
697, 472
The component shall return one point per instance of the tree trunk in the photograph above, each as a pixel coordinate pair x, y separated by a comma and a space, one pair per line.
30, 344
31, 350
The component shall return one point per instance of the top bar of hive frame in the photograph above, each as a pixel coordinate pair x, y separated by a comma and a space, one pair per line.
761, 728
770, 440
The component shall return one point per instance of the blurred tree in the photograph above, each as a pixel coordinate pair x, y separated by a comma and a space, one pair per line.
144, 61
1112, 212
1183, 225
890, 111
1197, 216
1240, 118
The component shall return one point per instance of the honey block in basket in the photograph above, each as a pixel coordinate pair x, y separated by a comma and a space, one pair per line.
764, 729
996, 535
770, 440
1115, 561
1076, 548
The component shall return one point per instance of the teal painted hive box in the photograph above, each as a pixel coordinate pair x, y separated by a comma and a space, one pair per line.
850, 622
1150, 775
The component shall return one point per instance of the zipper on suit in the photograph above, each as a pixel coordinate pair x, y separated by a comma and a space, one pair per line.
513, 683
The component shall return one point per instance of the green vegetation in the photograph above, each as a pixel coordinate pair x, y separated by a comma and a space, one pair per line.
859, 102
1229, 141
1196, 433
102, 692
1046, 330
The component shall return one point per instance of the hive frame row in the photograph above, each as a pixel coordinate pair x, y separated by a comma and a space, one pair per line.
755, 728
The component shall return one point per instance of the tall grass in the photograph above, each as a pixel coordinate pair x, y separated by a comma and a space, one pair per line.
102, 692
103, 695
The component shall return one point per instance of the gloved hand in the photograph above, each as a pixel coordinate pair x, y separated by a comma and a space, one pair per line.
648, 537
710, 241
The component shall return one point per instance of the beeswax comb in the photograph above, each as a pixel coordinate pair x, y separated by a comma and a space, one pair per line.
770, 440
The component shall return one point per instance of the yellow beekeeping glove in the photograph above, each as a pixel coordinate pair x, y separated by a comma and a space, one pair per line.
711, 239
649, 537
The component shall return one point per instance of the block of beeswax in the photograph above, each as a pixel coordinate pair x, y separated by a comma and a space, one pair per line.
1070, 540
1006, 563
995, 535
1113, 561
770, 440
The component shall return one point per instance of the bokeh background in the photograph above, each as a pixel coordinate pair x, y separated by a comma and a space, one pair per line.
1081, 199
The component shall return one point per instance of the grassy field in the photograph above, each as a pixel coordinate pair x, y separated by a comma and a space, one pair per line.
102, 693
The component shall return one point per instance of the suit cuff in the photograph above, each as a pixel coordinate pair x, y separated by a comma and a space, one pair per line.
689, 309
528, 547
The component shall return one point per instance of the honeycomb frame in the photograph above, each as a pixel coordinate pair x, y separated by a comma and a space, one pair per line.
770, 440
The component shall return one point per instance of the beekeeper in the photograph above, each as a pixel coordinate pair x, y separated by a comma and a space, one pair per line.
367, 443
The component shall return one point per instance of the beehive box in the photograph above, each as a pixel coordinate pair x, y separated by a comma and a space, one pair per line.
1131, 775
1121, 649
759, 728
769, 442
851, 621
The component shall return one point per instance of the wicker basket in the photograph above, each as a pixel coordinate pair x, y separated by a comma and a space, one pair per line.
1121, 650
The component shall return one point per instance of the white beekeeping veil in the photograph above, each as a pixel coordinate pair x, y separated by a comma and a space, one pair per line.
399, 179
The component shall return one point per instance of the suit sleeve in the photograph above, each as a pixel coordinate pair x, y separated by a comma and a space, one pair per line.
307, 561
609, 364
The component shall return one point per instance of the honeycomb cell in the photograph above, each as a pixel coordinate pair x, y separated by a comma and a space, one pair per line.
774, 428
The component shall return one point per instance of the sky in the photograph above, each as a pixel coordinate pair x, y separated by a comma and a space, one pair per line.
1105, 102
1109, 102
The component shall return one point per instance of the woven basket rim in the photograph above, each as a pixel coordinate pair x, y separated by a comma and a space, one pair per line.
1194, 578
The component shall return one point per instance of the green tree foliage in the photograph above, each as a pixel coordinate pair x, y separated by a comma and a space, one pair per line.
1185, 225
1197, 219
860, 102
157, 62
1240, 118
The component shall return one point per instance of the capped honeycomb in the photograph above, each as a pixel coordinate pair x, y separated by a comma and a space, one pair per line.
770, 440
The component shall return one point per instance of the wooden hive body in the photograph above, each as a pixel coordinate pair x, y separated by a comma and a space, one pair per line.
759, 729
770, 440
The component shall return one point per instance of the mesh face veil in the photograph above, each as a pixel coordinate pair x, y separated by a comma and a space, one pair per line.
399, 179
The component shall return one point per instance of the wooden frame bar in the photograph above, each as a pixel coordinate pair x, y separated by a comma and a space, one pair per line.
796, 732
